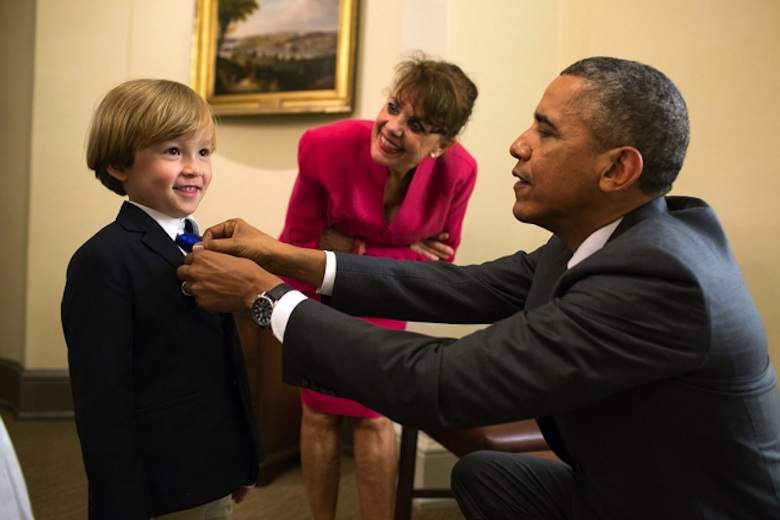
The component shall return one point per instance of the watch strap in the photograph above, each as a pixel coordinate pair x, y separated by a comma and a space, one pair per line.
278, 291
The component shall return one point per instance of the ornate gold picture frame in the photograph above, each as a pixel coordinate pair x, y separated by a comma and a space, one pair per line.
275, 56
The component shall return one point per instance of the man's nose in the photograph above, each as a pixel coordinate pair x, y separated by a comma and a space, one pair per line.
520, 149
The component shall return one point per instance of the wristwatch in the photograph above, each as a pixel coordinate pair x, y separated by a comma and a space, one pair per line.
263, 306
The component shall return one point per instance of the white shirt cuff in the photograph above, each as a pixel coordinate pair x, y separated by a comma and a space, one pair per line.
330, 274
282, 311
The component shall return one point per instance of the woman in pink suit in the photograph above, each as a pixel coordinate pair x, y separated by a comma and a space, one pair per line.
395, 187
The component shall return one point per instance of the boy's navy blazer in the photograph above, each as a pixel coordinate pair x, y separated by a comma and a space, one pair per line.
159, 386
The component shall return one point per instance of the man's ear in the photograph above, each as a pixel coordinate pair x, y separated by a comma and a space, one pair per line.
117, 173
623, 169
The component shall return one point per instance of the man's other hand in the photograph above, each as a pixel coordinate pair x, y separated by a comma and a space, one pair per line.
236, 237
223, 283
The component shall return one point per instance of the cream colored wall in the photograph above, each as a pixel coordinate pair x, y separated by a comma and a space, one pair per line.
17, 39
79, 55
723, 56
82, 49
511, 63
714, 52
511, 57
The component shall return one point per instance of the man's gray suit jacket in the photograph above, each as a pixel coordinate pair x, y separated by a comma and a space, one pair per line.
645, 365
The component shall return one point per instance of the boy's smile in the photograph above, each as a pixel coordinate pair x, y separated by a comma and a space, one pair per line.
170, 177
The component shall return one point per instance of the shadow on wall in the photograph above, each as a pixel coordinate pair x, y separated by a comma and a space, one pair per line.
256, 195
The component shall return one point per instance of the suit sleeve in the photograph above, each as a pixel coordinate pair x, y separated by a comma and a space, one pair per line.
414, 291
97, 313
606, 333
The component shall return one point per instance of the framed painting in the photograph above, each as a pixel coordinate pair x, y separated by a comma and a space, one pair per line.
275, 56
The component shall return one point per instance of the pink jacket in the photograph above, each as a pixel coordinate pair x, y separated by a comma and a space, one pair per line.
340, 186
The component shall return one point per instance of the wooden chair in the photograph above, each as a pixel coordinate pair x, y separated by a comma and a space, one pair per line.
515, 437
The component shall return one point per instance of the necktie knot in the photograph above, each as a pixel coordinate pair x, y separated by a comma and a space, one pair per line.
189, 238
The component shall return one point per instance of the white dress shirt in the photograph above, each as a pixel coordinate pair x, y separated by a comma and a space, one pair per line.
593, 243
171, 225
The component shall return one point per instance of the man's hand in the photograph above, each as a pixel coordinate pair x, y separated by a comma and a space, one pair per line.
223, 283
236, 237
434, 247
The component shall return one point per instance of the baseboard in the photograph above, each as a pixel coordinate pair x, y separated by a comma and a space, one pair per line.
35, 394
9, 383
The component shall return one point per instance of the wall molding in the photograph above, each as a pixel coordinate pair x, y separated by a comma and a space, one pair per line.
35, 393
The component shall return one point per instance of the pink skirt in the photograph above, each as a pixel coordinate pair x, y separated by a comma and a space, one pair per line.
337, 405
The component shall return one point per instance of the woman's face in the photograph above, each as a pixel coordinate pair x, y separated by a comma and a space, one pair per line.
400, 139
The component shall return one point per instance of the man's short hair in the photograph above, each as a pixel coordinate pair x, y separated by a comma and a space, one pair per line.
138, 114
632, 104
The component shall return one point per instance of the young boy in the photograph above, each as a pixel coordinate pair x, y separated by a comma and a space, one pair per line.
159, 386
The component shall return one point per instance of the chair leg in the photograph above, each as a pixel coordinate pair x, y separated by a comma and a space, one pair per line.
406, 461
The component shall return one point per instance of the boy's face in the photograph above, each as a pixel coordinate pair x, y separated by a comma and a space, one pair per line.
170, 177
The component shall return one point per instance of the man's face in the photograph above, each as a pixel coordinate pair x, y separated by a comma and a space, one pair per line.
558, 164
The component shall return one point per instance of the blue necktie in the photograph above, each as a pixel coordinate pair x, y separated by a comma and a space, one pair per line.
187, 239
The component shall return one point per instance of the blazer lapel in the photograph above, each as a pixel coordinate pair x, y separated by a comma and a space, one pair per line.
135, 219
551, 266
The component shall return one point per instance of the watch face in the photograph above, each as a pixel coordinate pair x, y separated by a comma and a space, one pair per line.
261, 311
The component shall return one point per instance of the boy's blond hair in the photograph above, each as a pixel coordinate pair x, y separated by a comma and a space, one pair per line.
138, 114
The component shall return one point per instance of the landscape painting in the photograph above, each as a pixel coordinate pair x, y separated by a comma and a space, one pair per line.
261, 56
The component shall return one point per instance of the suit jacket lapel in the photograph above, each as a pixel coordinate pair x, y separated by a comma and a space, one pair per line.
551, 266
133, 218
550, 271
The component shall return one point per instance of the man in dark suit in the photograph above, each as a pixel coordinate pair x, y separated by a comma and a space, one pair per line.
630, 335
